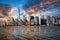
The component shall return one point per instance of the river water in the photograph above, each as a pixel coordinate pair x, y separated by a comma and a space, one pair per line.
30, 33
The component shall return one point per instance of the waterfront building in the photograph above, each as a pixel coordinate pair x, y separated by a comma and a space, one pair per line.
43, 20
27, 16
32, 22
36, 20
54, 20
49, 21
3, 21
39, 20
58, 18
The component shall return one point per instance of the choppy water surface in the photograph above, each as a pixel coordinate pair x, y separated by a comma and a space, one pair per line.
29, 33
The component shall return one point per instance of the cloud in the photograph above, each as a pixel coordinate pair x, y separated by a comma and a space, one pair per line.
50, 1
32, 9
39, 6
6, 10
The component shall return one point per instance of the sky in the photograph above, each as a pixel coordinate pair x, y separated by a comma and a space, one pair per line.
46, 7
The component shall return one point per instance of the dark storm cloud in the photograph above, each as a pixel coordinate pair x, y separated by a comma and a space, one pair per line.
31, 3
5, 9
35, 5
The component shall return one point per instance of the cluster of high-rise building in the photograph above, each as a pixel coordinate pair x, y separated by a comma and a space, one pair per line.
32, 19
42, 20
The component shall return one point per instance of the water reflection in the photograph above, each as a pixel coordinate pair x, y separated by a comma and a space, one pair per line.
29, 33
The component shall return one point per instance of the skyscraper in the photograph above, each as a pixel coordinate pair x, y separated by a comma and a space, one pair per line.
49, 22
54, 20
19, 13
37, 20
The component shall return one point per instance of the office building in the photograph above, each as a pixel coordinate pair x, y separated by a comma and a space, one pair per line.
54, 20
49, 21
32, 22
43, 20
36, 20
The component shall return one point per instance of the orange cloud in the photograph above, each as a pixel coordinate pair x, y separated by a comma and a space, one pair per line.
32, 9
50, 1
41, 4
47, 2
6, 10
9, 12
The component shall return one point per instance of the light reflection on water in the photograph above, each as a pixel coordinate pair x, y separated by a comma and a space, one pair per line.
29, 33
